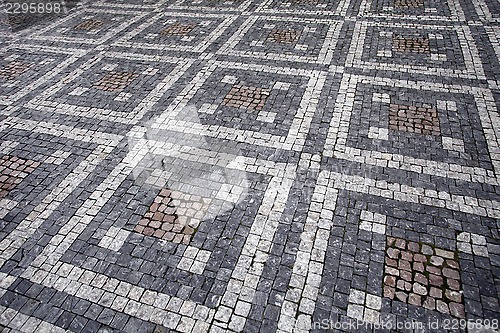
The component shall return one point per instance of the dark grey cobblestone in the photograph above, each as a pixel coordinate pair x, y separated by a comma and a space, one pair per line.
250, 166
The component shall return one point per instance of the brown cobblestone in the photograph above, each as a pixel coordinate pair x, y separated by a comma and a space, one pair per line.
414, 119
89, 25
163, 221
421, 282
252, 98
286, 36
178, 29
115, 81
13, 69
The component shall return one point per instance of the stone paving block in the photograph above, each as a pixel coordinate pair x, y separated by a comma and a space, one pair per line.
12, 171
249, 165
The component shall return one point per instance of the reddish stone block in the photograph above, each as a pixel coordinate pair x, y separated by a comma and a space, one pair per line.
389, 292
405, 275
414, 247
393, 253
435, 280
451, 273
390, 280
415, 299
420, 278
457, 310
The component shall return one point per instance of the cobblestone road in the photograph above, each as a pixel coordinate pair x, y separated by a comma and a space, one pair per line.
251, 166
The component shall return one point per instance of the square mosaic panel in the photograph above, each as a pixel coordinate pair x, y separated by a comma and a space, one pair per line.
30, 66
382, 122
250, 101
88, 26
211, 5
415, 8
142, 235
173, 216
29, 161
246, 103
179, 32
437, 50
317, 7
12, 171
114, 84
387, 258
292, 39
418, 125
421, 275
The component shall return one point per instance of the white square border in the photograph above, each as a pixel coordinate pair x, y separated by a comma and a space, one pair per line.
241, 7
111, 3
457, 13
200, 47
336, 141
340, 10
134, 17
42, 103
297, 133
325, 56
473, 66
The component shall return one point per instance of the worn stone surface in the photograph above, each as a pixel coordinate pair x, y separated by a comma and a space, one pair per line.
248, 165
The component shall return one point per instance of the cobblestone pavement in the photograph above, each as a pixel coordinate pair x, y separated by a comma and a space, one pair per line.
251, 166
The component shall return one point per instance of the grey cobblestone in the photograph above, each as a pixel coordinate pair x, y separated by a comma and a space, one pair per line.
249, 165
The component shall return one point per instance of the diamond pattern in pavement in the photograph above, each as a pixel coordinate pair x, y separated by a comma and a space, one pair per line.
250, 166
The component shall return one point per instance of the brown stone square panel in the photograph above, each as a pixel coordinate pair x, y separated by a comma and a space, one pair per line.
411, 44
252, 98
422, 275
13, 69
173, 216
285, 36
12, 171
89, 25
407, 118
178, 29
115, 81
408, 3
